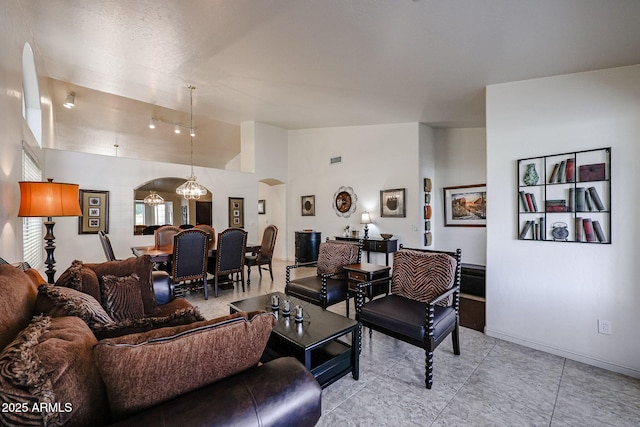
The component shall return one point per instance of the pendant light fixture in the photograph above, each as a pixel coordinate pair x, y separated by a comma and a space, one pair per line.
191, 189
153, 199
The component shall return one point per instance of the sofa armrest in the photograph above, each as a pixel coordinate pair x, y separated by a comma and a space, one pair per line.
162, 286
281, 392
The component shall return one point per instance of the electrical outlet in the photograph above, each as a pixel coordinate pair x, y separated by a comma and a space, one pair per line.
604, 327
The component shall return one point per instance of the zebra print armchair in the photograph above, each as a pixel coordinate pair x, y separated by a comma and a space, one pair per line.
329, 285
423, 306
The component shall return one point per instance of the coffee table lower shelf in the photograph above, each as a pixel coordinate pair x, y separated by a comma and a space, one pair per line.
329, 362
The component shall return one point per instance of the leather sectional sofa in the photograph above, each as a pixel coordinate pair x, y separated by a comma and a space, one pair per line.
61, 363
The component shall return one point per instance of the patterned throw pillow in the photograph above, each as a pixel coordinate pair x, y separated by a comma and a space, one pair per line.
58, 301
117, 329
422, 276
121, 297
335, 255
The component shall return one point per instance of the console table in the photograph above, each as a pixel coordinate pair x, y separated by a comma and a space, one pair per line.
385, 246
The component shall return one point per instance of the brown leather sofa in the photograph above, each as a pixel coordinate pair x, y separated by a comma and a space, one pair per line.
55, 371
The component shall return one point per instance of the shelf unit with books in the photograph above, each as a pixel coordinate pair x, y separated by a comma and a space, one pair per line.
565, 197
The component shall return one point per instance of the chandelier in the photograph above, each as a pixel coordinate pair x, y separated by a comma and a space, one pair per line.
191, 189
153, 199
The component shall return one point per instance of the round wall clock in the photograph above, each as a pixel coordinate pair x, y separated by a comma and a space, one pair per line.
344, 201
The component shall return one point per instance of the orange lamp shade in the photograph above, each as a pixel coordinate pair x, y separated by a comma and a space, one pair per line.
45, 199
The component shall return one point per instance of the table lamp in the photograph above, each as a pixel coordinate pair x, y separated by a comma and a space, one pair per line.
366, 220
49, 199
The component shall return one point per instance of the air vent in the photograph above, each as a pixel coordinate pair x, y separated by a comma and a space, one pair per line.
336, 159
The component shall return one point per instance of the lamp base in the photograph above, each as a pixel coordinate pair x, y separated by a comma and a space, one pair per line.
49, 248
366, 231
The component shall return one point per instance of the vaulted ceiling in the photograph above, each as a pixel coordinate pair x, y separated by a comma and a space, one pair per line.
303, 63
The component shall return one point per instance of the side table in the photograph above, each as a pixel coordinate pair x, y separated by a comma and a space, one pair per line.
365, 272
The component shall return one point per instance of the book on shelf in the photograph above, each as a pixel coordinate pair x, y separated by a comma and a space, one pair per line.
523, 200
530, 205
580, 199
571, 205
525, 229
589, 235
596, 198
588, 201
536, 231
593, 172
598, 230
542, 229
559, 205
579, 229
570, 171
562, 172
533, 202
554, 173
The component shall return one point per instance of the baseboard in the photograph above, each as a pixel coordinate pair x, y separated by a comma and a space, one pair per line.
625, 370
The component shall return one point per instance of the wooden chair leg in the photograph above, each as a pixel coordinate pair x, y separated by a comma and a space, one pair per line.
260, 270
455, 336
428, 368
242, 278
249, 274
215, 286
271, 270
206, 291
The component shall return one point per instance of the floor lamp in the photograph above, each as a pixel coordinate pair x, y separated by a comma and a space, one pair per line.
49, 199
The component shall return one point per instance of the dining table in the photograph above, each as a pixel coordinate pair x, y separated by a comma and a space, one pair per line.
164, 253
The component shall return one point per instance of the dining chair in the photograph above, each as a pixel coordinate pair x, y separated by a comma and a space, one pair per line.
210, 231
164, 235
232, 244
106, 246
265, 254
423, 306
189, 266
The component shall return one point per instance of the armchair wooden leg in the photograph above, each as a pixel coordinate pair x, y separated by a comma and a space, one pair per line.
242, 279
428, 368
249, 274
455, 336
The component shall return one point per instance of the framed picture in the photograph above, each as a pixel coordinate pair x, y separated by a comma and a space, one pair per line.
236, 212
465, 206
392, 203
95, 211
308, 205
261, 207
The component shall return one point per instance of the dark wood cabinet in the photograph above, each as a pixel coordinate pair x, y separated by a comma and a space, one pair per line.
385, 246
307, 246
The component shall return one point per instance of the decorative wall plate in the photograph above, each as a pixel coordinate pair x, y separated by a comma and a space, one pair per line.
344, 201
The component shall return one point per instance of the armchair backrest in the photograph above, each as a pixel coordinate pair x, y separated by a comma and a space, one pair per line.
334, 255
190, 249
232, 245
164, 235
106, 246
268, 242
423, 275
210, 231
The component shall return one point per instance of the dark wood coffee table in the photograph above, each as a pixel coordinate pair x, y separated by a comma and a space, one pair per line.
314, 342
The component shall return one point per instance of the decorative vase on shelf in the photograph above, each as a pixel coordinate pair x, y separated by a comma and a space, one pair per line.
531, 175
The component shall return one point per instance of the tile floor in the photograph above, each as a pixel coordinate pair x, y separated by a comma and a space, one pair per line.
492, 383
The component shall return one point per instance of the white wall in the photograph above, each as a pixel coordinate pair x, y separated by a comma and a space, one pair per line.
460, 156
120, 176
15, 131
550, 295
374, 158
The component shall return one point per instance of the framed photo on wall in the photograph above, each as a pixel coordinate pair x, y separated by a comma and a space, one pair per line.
465, 206
308, 205
95, 211
261, 207
392, 203
236, 212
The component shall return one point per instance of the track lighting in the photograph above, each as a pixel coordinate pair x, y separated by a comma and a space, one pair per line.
70, 101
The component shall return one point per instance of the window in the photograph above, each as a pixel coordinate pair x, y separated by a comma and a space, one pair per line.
31, 227
153, 215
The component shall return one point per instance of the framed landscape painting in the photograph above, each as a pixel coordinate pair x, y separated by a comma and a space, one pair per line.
465, 206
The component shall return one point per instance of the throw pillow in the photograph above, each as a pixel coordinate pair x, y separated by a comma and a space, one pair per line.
80, 278
332, 256
142, 370
117, 329
422, 276
142, 266
58, 301
50, 365
121, 297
